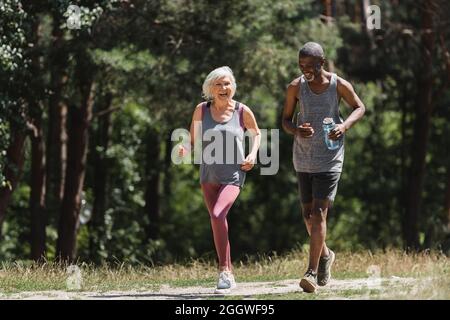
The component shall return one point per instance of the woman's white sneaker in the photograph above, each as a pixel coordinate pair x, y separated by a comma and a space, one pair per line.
225, 283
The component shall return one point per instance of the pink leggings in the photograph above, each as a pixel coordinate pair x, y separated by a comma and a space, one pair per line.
219, 198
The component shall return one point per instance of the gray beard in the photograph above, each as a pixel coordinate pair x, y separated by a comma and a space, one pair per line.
312, 78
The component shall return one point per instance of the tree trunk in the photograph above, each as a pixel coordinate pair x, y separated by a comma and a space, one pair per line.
365, 6
80, 118
152, 206
447, 201
168, 162
329, 8
357, 10
329, 13
37, 197
97, 229
404, 174
57, 114
422, 120
13, 170
38, 176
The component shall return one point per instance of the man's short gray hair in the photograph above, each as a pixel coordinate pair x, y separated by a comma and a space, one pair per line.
311, 49
218, 73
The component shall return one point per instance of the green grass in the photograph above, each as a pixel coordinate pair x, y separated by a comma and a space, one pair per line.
20, 277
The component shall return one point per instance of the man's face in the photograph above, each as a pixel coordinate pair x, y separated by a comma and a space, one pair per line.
310, 67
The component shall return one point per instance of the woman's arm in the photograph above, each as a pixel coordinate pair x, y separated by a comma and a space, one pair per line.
194, 132
252, 126
196, 124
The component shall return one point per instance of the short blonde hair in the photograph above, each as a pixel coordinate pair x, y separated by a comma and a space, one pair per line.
218, 73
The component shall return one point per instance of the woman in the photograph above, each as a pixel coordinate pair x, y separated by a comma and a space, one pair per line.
222, 174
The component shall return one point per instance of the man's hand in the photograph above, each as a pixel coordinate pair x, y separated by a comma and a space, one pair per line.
305, 130
337, 132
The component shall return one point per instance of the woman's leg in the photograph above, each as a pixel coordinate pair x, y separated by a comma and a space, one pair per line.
219, 199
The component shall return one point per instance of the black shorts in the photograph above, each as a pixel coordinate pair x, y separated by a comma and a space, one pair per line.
321, 185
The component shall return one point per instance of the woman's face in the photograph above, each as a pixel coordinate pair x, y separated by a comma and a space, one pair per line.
222, 89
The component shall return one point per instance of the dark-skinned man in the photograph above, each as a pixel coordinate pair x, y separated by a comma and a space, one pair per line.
318, 168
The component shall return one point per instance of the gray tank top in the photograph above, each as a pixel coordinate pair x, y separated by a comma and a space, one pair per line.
311, 154
229, 153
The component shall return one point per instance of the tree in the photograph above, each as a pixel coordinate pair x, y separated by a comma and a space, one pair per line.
13, 68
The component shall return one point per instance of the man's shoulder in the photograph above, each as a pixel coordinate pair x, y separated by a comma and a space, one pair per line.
294, 84
343, 86
341, 81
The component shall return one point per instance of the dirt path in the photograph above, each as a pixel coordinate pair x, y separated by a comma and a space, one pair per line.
245, 290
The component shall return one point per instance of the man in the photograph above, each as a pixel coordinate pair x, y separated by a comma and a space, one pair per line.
318, 168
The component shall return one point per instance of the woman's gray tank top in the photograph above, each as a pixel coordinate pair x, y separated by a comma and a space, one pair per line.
222, 159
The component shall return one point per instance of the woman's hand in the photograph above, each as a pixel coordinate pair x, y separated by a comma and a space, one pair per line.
183, 150
248, 163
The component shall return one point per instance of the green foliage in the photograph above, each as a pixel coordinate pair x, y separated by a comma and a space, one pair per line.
12, 35
12, 65
16, 229
152, 57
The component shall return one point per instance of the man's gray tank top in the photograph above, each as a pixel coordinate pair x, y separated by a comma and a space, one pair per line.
311, 154
228, 169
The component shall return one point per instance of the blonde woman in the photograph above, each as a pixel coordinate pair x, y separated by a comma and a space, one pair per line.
221, 178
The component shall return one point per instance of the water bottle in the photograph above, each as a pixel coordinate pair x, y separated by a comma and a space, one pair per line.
328, 125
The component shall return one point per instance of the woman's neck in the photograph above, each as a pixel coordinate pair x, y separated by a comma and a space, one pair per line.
222, 105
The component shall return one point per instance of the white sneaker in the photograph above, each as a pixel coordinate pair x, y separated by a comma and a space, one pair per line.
225, 283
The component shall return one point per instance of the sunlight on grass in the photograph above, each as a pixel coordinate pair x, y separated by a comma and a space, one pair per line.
431, 271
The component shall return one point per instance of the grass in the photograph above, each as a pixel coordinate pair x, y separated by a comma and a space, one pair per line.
18, 277
422, 289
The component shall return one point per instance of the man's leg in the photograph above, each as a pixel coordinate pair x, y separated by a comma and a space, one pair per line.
307, 210
318, 229
324, 186
305, 189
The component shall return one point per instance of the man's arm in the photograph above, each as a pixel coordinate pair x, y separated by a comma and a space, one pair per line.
289, 107
304, 130
346, 91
